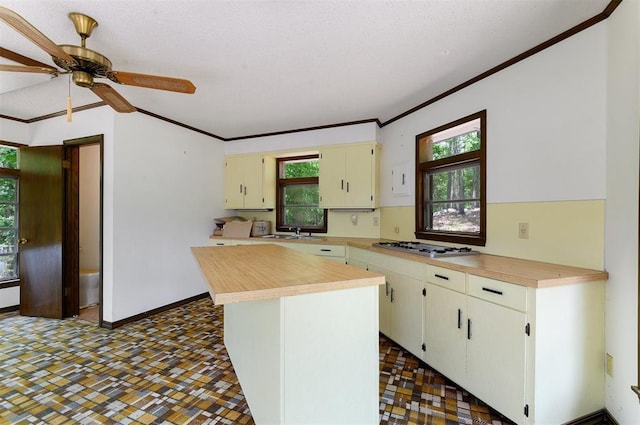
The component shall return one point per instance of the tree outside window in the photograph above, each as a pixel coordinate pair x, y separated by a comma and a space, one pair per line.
8, 213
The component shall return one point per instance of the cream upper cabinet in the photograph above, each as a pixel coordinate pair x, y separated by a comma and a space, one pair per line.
249, 182
349, 176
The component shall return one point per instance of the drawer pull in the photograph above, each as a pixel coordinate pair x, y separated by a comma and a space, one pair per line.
493, 291
325, 250
459, 319
439, 276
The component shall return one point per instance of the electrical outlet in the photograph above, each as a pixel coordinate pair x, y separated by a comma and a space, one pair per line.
523, 230
609, 364
354, 219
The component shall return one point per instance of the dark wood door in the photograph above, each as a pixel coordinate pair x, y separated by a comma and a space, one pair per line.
41, 226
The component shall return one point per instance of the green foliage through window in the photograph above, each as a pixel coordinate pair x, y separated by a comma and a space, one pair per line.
299, 195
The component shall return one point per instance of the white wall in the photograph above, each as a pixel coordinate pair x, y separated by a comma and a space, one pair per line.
545, 127
366, 132
14, 131
167, 188
162, 188
623, 135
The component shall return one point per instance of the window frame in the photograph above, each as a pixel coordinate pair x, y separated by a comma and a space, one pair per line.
455, 161
13, 173
281, 183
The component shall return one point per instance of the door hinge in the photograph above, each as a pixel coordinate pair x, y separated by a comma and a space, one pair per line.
424, 347
66, 163
526, 410
424, 292
66, 291
527, 329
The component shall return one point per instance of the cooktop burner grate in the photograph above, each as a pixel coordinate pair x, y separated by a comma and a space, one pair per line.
426, 250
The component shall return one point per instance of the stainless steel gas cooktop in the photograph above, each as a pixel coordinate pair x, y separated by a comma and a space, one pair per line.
426, 250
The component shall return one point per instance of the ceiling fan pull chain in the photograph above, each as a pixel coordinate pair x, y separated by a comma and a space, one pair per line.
69, 109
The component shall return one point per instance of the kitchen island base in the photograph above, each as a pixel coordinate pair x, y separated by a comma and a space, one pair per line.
307, 359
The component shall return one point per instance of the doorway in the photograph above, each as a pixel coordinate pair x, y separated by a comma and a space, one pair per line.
83, 227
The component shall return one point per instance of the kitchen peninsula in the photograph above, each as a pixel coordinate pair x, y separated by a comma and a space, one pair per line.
301, 332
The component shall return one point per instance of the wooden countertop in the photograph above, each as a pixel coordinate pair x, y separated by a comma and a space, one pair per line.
255, 272
536, 274
531, 273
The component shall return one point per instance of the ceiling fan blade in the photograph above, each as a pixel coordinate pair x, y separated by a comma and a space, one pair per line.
17, 57
152, 81
112, 98
34, 69
21, 25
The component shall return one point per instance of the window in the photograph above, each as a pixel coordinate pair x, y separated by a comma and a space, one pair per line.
451, 182
8, 213
298, 195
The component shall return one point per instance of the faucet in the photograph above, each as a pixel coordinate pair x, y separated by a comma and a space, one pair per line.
297, 230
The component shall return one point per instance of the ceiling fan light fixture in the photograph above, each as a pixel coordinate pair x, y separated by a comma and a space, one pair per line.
83, 79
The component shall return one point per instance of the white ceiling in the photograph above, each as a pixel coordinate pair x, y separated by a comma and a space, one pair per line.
264, 66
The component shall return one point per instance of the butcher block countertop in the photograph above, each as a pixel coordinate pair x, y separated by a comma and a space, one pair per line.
256, 272
535, 274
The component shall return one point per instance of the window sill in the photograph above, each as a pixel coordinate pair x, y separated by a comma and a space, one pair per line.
9, 283
468, 239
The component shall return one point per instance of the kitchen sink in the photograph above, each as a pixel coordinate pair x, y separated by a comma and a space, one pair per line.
292, 237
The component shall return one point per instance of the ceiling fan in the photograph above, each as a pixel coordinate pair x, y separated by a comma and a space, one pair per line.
83, 64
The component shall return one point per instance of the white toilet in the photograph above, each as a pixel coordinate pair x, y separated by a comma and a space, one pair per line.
89, 287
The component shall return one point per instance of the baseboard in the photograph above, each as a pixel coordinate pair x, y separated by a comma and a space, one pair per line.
601, 417
9, 309
122, 322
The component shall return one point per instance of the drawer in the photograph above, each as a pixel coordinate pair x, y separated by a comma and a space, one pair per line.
496, 291
450, 279
328, 250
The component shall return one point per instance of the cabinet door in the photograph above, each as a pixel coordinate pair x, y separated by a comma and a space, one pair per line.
358, 176
445, 337
332, 182
496, 349
233, 183
253, 171
406, 312
384, 301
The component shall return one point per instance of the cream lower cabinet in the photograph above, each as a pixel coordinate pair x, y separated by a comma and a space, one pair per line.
445, 337
496, 353
533, 354
400, 300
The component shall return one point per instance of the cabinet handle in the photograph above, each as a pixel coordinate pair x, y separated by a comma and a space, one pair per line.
325, 250
386, 288
439, 276
342, 184
459, 319
245, 190
403, 179
468, 328
391, 294
240, 187
493, 291
347, 186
